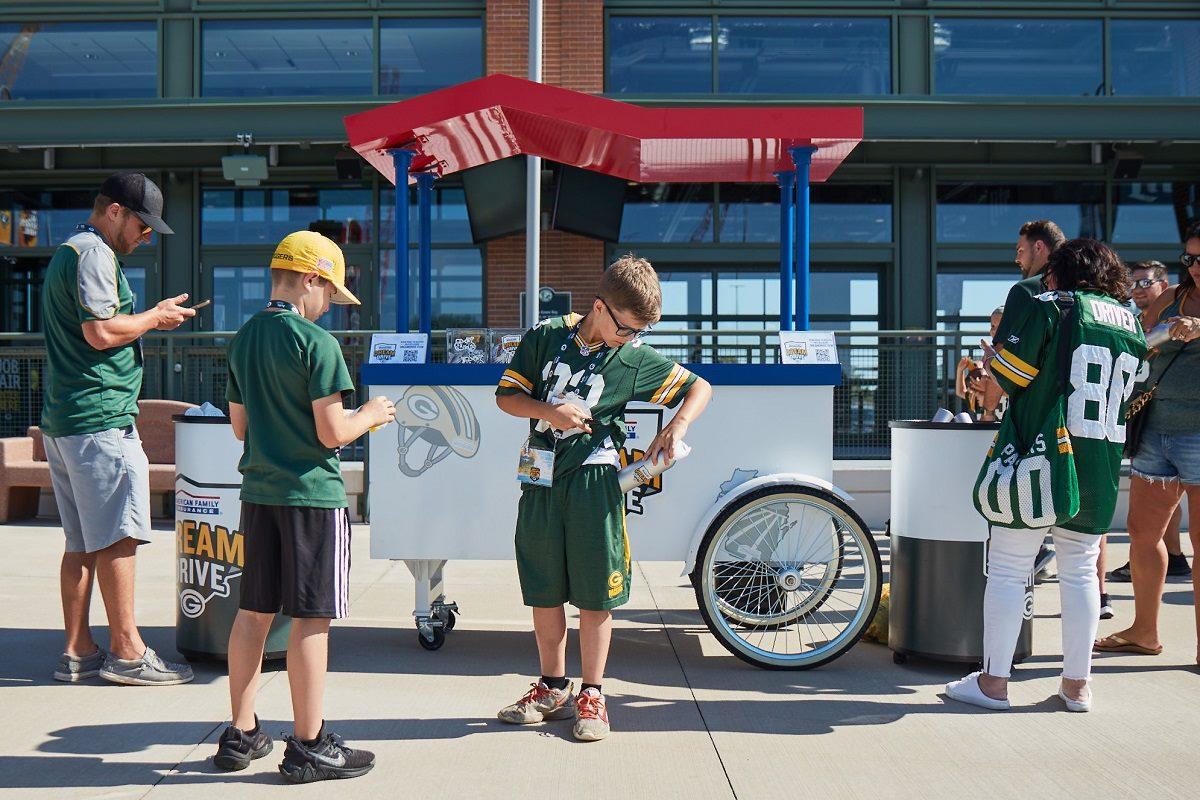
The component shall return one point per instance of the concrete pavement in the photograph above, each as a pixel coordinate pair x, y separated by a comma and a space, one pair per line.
690, 721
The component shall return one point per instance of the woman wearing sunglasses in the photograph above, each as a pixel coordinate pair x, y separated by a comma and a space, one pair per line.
1166, 465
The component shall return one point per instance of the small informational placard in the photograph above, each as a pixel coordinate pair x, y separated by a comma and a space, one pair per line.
551, 303
807, 347
398, 348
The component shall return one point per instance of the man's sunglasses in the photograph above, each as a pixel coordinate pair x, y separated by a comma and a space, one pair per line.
1187, 259
1146, 283
624, 330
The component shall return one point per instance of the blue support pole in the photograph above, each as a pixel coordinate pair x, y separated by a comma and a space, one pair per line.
402, 160
425, 248
802, 157
787, 246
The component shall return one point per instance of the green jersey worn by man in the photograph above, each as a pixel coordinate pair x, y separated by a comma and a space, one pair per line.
1105, 352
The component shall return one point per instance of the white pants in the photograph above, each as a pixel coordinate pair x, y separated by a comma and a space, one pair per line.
1011, 558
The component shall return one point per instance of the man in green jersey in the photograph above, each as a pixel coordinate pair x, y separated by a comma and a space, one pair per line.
1036, 240
99, 471
1103, 352
572, 378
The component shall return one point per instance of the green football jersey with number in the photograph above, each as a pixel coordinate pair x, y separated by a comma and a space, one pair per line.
633, 371
1106, 350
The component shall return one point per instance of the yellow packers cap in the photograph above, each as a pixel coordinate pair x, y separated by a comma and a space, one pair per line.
309, 251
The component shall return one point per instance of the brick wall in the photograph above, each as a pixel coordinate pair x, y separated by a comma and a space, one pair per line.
572, 57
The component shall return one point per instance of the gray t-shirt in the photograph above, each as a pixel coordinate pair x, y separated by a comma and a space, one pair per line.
1176, 405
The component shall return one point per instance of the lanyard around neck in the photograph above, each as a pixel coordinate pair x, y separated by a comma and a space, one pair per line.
590, 370
282, 305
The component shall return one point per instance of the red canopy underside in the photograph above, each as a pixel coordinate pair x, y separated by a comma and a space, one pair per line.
499, 116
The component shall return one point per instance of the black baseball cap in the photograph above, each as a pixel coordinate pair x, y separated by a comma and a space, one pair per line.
140, 195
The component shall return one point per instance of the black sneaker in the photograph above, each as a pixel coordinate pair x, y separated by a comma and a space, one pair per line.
1106, 611
237, 748
1177, 566
328, 758
1121, 574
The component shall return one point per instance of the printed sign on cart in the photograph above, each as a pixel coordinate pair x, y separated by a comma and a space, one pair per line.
398, 348
641, 425
807, 347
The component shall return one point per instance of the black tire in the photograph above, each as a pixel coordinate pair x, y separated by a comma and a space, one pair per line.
448, 623
899, 658
439, 639
725, 626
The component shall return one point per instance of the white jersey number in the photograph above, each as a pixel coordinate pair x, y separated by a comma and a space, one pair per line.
1094, 406
567, 383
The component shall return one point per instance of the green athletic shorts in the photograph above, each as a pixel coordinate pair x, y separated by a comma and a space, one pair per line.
571, 541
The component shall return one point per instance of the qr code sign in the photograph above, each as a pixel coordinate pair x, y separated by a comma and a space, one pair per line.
409, 357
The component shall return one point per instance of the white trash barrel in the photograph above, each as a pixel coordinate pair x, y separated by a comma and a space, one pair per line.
939, 543
209, 541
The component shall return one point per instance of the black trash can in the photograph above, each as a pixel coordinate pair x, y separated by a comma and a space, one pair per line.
939, 544
209, 543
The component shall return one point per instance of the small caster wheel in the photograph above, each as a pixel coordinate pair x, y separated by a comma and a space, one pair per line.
439, 639
899, 658
448, 622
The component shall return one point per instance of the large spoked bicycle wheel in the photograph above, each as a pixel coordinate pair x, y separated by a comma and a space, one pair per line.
788, 577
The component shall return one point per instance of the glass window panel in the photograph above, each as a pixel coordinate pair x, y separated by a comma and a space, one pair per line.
457, 288
136, 276
838, 213
668, 212
42, 218
1158, 212
78, 60
966, 299
843, 295
1018, 56
292, 58
803, 55
989, 212
686, 294
264, 216
448, 215
1155, 57
239, 292
660, 55
421, 55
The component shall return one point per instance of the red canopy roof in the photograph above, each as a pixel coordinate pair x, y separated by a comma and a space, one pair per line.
499, 116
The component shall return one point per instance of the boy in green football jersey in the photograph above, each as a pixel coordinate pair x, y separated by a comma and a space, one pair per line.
572, 377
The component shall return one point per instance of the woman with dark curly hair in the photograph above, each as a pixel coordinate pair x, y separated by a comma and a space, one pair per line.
1167, 462
1068, 365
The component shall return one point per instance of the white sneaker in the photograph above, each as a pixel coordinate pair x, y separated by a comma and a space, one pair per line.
1077, 705
966, 690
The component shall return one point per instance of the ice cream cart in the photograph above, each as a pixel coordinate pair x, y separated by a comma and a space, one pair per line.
786, 574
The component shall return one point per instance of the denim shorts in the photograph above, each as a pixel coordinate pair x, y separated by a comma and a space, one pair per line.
1168, 457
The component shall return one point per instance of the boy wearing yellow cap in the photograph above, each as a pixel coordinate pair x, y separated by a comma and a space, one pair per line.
287, 381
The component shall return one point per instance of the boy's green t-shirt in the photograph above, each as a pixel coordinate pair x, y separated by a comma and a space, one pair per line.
633, 371
279, 363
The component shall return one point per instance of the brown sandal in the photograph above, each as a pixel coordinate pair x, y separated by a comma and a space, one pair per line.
1115, 644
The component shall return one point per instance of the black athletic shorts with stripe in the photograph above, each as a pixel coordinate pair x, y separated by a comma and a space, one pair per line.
297, 560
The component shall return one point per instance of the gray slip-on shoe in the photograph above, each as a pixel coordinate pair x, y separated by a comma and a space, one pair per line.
149, 670
79, 668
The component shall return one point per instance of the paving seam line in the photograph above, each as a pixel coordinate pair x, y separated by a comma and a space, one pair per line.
663, 623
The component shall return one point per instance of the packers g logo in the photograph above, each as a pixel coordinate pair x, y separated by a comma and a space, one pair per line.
616, 583
437, 421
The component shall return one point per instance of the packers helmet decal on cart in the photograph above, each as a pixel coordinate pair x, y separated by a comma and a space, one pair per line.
435, 421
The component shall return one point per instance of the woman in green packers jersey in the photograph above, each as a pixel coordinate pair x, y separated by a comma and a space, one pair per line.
1071, 356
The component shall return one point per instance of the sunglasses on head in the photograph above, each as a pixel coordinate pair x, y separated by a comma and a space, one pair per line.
1187, 259
624, 330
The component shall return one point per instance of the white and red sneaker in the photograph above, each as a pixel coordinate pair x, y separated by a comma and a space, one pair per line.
591, 717
539, 704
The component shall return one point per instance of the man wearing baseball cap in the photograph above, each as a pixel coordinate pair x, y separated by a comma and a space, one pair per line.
100, 474
287, 385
